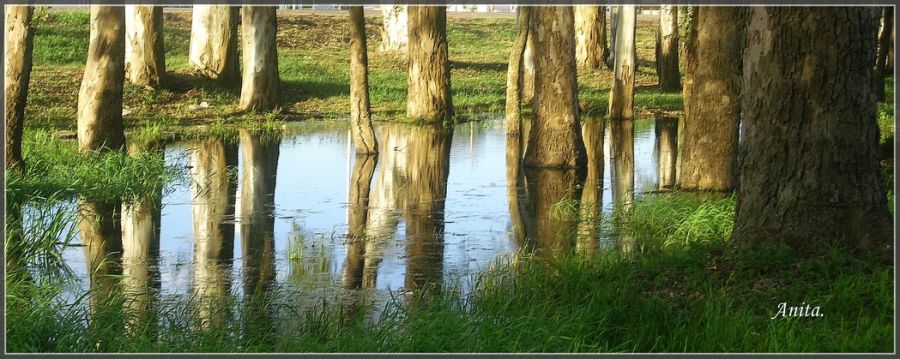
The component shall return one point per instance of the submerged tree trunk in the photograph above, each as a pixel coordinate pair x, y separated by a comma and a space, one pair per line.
884, 45
19, 47
711, 99
428, 74
214, 42
360, 114
100, 97
394, 33
667, 49
809, 171
621, 95
514, 74
260, 86
590, 35
555, 136
145, 55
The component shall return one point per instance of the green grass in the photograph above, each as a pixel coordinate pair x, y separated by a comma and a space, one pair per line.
681, 290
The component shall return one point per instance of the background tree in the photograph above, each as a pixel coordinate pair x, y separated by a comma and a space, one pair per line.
428, 97
514, 73
621, 95
145, 55
809, 171
712, 91
395, 31
360, 114
17, 62
260, 86
214, 36
667, 49
885, 40
613, 30
590, 36
555, 136
100, 97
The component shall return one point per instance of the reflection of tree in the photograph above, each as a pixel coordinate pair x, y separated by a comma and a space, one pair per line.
100, 231
622, 137
515, 188
213, 192
381, 221
667, 150
592, 192
357, 213
427, 168
552, 204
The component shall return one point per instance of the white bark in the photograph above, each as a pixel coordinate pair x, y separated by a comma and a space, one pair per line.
621, 97
145, 62
213, 48
394, 35
260, 83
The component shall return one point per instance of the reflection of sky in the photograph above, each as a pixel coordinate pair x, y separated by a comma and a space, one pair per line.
311, 194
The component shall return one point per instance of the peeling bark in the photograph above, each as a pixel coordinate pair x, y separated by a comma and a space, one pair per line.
145, 61
360, 113
428, 75
18, 59
214, 42
100, 97
590, 36
261, 84
394, 32
621, 94
711, 96
555, 136
809, 169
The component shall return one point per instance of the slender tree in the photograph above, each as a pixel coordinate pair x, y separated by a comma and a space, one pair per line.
712, 99
514, 73
100, 97
19, 47
360, 114
613, 31
260, 86
145, 55
667, 49
428, 76
884, 45
555, 136
213, 50
357, 215
590, 36
809, 169
621, 95
395, 31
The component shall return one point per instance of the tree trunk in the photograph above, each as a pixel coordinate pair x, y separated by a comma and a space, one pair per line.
145, 55
260, 86
360, 114
667, 150
712, 92
613, 31
621, 95
555, 136
429, 96
884, 45
514, 74
394, 34
19, 46
100, 97
809, 169
589, 30
214, 194
667, 49
528, 64
214, 36
353, 275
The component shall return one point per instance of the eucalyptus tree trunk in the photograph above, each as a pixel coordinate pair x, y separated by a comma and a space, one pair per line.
214, 42
357, 215
667, 49
145, 55
428, 76
712, 93
590, 32
514, 74
555, 136
360, 114
19, 47
613, 31
621, 94
809, 169
100, 97
528, 64
214, 194
394, 33
884, 45
261, 84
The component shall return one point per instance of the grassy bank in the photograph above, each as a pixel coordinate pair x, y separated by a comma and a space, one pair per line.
680, 289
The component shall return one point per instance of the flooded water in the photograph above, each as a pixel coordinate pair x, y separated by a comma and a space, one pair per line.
302, 211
